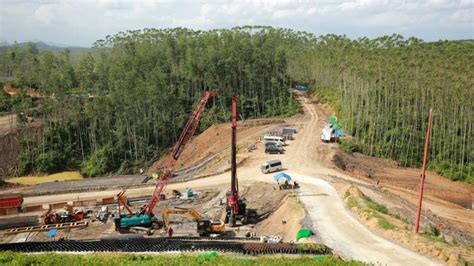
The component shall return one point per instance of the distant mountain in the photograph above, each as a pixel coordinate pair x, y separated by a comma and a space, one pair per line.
42, 46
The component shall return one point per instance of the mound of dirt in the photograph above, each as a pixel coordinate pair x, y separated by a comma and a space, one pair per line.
384, 172
214, 140
264, 197
354, 191
284, 222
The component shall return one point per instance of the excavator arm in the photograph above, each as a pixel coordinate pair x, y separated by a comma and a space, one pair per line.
210, 226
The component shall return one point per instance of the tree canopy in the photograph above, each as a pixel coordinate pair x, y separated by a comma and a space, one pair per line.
124, 103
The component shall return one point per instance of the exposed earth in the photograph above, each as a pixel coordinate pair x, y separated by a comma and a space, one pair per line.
325, 174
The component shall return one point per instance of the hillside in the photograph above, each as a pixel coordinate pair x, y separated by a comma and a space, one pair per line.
42, 46
381, 89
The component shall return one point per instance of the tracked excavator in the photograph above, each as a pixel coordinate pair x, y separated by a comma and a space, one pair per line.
205, 225
145, 217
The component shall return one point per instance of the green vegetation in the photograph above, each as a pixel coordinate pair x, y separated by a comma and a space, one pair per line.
10, 258
134, 91
384, 224
125, 102
432, 232
352, 202
312, 246
375, 205
382, 90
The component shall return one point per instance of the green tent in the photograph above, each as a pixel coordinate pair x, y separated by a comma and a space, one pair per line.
336, 126
303, 233
332, 120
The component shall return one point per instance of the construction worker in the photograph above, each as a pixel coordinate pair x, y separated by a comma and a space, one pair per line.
170, 231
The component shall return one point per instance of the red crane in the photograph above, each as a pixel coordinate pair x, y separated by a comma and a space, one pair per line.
143, 217
236, 207
233, 197
188, 131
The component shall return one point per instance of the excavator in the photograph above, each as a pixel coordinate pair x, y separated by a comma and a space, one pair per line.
205, 225
145, 217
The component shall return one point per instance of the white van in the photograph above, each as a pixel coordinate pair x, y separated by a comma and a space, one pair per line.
271, 166
274, 139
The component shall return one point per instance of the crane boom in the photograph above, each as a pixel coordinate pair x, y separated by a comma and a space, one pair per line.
188, 131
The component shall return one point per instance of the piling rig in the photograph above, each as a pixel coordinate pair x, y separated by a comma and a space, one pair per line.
236, 207
145, 217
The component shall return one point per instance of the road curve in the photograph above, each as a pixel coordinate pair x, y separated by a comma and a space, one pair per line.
338, 229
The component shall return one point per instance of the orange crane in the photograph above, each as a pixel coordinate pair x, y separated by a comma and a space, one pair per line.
145, 215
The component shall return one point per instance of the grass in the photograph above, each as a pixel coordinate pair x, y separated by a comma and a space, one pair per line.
373, 209
375, 206
352, 202
12, 258
313, 246
385, 224
433, 233
33, 180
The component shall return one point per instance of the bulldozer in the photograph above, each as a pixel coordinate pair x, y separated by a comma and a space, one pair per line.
205, 225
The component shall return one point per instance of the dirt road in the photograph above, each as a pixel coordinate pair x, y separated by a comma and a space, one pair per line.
305, 159
337, 228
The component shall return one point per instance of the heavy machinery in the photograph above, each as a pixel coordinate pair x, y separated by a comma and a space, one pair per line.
145, 217
236, 206
205, 225
68, 215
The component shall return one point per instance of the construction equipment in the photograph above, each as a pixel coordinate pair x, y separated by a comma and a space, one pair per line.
67, 216
145, 217
206, 226
332, 131
103, 214
10, 202
236, 206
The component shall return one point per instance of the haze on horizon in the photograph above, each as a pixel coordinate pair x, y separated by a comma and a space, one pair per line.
82, 22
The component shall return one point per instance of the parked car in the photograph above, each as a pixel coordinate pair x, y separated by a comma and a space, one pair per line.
271, 149
271, 166
273, 143
271, 139
287, 130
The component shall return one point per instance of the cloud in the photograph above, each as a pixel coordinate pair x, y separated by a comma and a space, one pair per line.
81, 22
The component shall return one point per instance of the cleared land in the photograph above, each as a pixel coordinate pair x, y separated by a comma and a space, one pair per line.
322, 193
33, 180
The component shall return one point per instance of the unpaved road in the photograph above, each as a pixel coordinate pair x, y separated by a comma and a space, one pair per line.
337, 228
333, 222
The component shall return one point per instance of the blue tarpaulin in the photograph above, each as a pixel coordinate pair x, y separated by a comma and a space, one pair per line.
52, 232
282, 175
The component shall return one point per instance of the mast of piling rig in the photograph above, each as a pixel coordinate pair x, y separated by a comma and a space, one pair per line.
234, 187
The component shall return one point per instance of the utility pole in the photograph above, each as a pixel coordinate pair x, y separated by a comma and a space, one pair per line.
423, 171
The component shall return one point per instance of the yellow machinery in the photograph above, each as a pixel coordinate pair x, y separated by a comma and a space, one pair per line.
205, 225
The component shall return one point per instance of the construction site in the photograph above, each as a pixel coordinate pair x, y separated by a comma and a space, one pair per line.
265, 186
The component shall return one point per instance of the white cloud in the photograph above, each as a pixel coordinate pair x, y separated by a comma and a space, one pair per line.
84, 21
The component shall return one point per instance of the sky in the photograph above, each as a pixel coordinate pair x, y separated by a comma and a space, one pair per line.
81, 22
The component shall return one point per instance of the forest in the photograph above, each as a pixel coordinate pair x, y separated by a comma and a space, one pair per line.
123, 103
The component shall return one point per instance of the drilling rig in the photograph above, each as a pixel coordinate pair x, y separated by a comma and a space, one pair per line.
145, 217
236, 207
